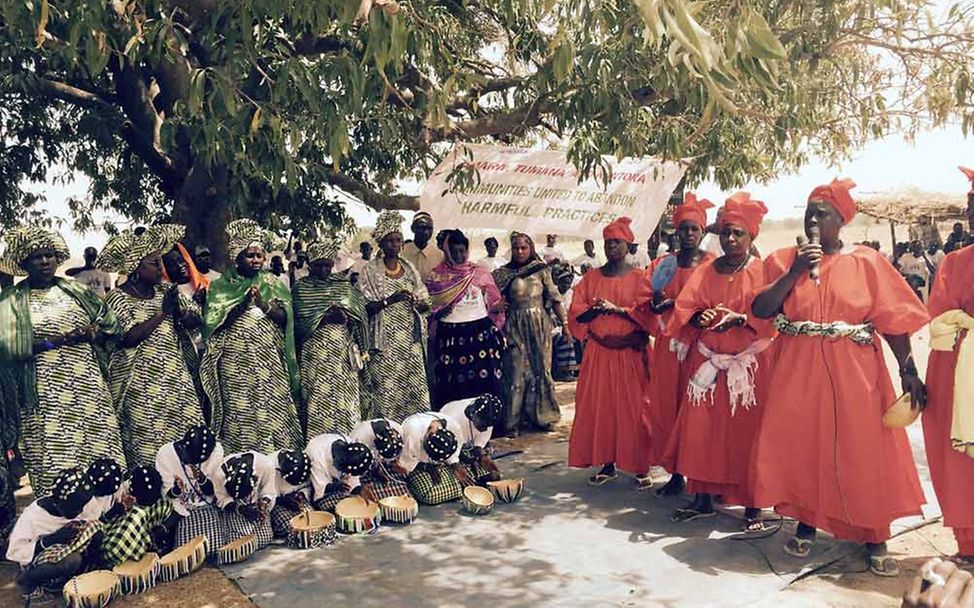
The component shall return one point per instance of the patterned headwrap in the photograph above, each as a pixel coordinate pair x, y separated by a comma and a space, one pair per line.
240, 476
353, 458
741, 210
324, 249
422, 218
485, 409
197, 444
70, 482
104, 476
125, 250
388, 441
295, 467
389, 221
21, 242
692, 210
837, 194
439, 446
969, 173
245, 233
145, 484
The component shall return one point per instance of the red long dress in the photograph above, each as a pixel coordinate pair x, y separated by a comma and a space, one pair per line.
711, 446
823, 455
669, 376
951, 471
612, 398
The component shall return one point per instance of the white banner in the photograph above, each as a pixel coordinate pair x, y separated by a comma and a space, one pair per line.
537, 192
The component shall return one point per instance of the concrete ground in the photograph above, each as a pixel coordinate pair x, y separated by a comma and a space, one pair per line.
563, 544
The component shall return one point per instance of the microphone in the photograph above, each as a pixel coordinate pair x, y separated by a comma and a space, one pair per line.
815, 236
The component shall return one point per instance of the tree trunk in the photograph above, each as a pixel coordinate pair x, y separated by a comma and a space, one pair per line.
202, 207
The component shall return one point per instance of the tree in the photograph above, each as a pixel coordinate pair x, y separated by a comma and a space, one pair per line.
200, 110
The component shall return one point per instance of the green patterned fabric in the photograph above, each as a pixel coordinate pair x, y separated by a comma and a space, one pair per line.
152, 385
398, 372
124, 251
424, 490
22, 241
80, 542
247, 369
129, 537
330, 382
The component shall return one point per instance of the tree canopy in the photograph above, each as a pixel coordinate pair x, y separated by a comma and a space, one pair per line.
199, 110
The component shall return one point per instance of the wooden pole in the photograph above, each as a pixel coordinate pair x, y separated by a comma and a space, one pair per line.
892, 232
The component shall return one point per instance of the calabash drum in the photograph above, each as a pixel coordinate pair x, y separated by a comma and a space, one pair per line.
507, 490
237, 551
477, 500
183, 560
901, 414
138, 576
311, 529
399, 509
92, 590
355, 515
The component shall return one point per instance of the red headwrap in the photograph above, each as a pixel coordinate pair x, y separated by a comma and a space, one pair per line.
970, 175
741, 210
619, 229
837, 193
692, 210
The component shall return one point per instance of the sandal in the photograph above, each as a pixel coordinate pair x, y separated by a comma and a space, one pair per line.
682, 516
644, 482
754, 524
601, 479
673, 487
883, 565
799, 547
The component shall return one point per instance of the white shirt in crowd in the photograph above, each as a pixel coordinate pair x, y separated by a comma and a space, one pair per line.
492, 263
284, 487
471, 307
32, 524
550, 254
913, 265
638, 260
171, 468
467, 433
285, 279
323, 469
424, 260
414, 429
595, 261
363, 433
98, 280
99, 505
265, 470
936, 258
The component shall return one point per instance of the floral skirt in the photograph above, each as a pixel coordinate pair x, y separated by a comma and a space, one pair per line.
468, 361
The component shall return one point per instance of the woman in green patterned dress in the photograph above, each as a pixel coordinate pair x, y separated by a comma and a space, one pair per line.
330, 331
52, 366
249, 370
397, 304
150, 379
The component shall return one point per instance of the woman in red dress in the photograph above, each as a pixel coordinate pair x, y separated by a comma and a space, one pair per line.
612, 399
951, 306
721, 410
823, 455
670, 374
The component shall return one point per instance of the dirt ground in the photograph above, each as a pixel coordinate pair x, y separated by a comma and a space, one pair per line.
836, 578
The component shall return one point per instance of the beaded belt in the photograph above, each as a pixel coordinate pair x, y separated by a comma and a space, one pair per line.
860, 334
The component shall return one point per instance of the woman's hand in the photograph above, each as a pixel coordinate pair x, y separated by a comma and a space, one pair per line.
706, 317
809, 256
914, 385
660, 303
170, 302
81, 335
256, 298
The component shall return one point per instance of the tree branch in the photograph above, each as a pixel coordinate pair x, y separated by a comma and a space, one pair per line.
497, 85
513, 121
370, 197
71, 94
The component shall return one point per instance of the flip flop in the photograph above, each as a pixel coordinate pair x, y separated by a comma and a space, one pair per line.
644, 482
601, 479
756, 524
798, 547
883, 565
681, 516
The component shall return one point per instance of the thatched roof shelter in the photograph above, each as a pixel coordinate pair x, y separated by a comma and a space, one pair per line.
907, 205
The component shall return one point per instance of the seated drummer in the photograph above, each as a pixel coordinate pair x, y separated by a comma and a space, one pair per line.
431, 456
188, 467
293, 482
51, 541
337, 466
384, 438
105, 476
246, 491
476, 418
148, 522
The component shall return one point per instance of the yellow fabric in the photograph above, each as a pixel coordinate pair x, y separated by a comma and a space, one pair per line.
944, 331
